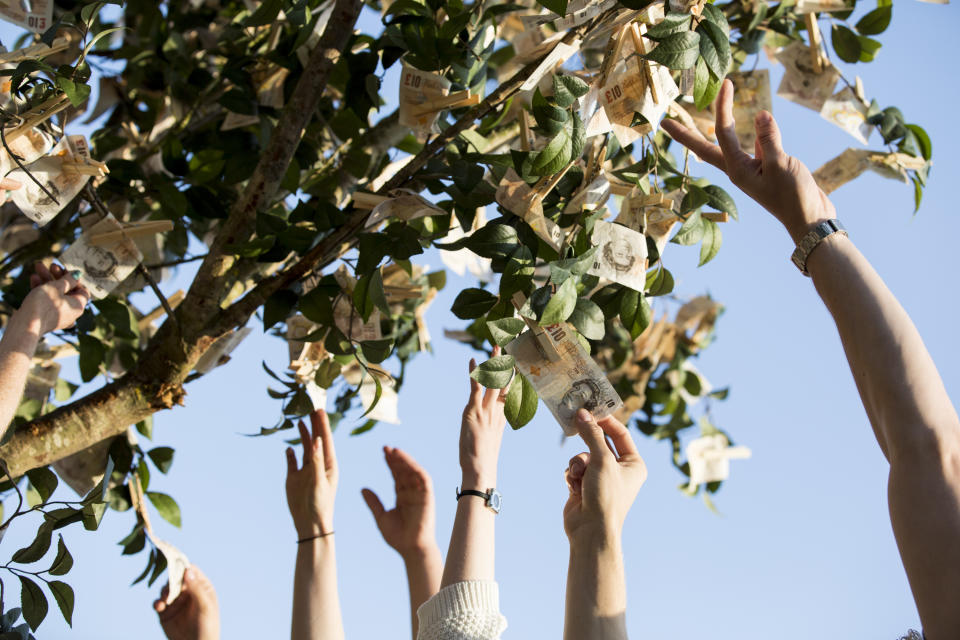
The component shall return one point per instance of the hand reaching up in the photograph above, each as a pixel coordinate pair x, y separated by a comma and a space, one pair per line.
312, 488
481, 433
194, 615
56, 301
410, 527
604, 482
778, 182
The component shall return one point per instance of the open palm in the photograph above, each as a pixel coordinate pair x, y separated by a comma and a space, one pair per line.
409, 526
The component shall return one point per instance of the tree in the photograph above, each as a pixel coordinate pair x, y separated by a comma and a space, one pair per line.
258, 130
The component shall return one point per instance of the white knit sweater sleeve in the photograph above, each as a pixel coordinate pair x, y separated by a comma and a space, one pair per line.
467, 610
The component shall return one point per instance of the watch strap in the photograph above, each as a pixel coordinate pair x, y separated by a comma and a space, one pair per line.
812, 240
472, 492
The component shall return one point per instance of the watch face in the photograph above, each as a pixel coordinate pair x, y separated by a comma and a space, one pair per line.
494, 501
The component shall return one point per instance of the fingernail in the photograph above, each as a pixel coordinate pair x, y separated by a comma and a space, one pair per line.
764, 117
576, 466
75, 275
584, 416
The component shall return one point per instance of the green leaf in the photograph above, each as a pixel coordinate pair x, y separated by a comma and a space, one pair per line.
63, 594
278, 307
923, 141
93, 514
691, 231
714, 48
63, 562
677, 51
327, 372
868, 48
659, 282
38, 548
376, 351
162, 458
369, 294
588, 319
705, 86
472, 303
917, 193
876, 21
565, 145
44, 481
559, 7
495, 373
561, 304
32, 602
265, 14
521, 402
694, 198
845, 43
712, 238
550, 118
77, 92
166, 506
721, 200
671, 23
566, 89
505, 330
635, 312
92, 353
715, 15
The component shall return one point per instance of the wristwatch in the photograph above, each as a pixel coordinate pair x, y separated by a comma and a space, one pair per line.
810, 241
492, 498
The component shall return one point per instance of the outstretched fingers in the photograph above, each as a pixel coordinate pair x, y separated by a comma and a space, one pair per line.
591, 433
373, 503
291, 461
694, 140
735, 159
308, 446
321, 427
769, 140
491, 395
476, 392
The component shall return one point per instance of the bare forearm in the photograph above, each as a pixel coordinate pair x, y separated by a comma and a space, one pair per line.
596, 591
316, 604
424, 572
471, 552
17, 346
901, 390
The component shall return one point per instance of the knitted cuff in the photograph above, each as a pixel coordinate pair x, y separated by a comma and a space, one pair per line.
471, 597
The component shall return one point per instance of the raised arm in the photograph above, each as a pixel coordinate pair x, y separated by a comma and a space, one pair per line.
603, 484
55, 302
467, 606
311, 490
410, 527
913, 419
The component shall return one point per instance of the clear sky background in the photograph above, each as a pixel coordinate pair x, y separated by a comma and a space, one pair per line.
803, 545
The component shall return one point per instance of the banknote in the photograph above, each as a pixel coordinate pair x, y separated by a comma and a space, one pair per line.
801, 84
40, 380
84, 469
61, 186
751, 96
848, 112
417, 87
101, 269
709, 458
35, 15
177, 565
348, 320
621, 255
29, 147
387, 409
574, 382
842, 169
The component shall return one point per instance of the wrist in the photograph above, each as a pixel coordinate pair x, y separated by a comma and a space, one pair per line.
804, 226
420, 554
479, 479
595, 538
26, 320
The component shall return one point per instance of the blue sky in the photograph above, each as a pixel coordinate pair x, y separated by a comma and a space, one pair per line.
803, 544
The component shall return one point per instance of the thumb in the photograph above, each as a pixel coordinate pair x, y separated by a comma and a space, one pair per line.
768, 137
591, 433
373, 502
159, 606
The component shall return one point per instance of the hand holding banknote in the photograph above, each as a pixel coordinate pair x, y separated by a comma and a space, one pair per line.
56, 300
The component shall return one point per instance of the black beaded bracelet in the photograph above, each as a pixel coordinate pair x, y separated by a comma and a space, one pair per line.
319, 535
